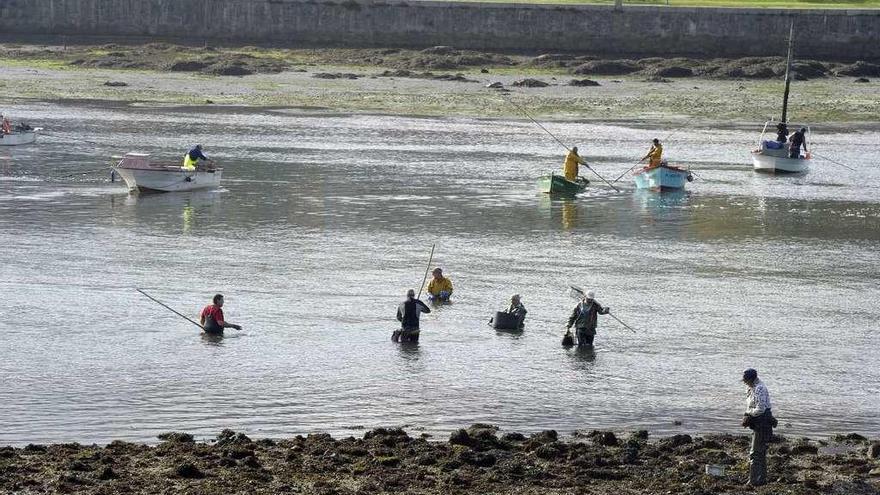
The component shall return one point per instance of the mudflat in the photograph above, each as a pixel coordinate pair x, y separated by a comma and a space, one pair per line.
478, 459
443, 81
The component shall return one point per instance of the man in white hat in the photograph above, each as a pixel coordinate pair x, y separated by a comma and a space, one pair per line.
584, 318
517, 309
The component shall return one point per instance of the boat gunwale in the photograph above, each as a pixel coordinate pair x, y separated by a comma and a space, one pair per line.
645, 170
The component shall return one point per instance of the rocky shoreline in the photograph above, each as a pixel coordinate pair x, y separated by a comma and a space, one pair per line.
479, 459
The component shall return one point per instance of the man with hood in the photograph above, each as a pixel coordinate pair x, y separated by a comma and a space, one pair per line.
584, 318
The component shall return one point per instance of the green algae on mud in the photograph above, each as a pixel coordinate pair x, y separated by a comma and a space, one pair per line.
171, 74
478, 459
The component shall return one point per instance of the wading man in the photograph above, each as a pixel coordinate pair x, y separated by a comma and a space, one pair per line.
212, 319
759, 418
408, 313
584, 318
516, 309
440, 287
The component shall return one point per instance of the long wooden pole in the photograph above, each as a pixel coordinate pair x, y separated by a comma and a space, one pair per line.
521, 109
425, 279
160, 303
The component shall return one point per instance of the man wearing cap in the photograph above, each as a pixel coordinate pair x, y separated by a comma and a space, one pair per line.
408, 313
584, 318
759, 418
191, 158
440, 287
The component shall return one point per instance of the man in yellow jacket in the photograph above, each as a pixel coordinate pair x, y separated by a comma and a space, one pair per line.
572, 160
655, 154
191, 158
440, 287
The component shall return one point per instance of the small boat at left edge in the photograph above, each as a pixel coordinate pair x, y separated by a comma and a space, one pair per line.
20, 136
140, 174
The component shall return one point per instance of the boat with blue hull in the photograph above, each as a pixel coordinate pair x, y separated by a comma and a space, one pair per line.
662, 178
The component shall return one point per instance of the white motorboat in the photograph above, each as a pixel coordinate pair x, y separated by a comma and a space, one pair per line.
774, 156
18, 137
140, 174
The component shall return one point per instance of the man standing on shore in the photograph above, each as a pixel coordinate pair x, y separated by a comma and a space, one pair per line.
760, 419
212, 319
585, 317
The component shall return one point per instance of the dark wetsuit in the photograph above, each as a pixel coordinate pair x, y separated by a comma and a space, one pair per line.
781, 132
408, 314
794, 144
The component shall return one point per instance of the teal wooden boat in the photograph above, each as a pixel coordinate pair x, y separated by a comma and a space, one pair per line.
559, 185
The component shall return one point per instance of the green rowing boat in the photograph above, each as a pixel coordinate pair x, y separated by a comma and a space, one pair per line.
557, 184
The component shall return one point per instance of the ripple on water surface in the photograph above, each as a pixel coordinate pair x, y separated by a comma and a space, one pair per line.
324, 221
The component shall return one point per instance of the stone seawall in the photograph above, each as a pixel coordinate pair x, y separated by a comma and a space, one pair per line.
639, 31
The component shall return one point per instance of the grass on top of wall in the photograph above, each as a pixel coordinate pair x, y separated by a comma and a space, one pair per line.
785, 4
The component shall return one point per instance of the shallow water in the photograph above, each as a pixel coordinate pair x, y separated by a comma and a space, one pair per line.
325, 220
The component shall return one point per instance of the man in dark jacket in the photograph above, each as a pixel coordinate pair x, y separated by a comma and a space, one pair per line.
584, 318
781, 132
408, 315
795, 142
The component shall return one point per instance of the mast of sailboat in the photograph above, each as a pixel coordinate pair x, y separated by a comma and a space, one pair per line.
787, 73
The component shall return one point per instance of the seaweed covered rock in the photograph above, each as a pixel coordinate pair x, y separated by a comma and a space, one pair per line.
228, 437
530, 83
583, 83
859, 69
608, 67
676, 441
603, 438
176, 437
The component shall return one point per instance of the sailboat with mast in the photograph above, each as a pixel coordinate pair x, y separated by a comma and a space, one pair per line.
774, 156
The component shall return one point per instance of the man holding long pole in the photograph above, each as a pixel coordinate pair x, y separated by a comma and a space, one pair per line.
585, 317
212, 319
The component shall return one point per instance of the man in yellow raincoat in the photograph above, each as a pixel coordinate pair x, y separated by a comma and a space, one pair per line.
440, 287
191, 158
655, 154
572, 160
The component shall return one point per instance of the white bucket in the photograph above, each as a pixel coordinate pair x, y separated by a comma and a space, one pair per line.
715, 469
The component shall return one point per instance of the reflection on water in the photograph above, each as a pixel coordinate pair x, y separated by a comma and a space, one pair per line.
313, 244
213, 339
585, 355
